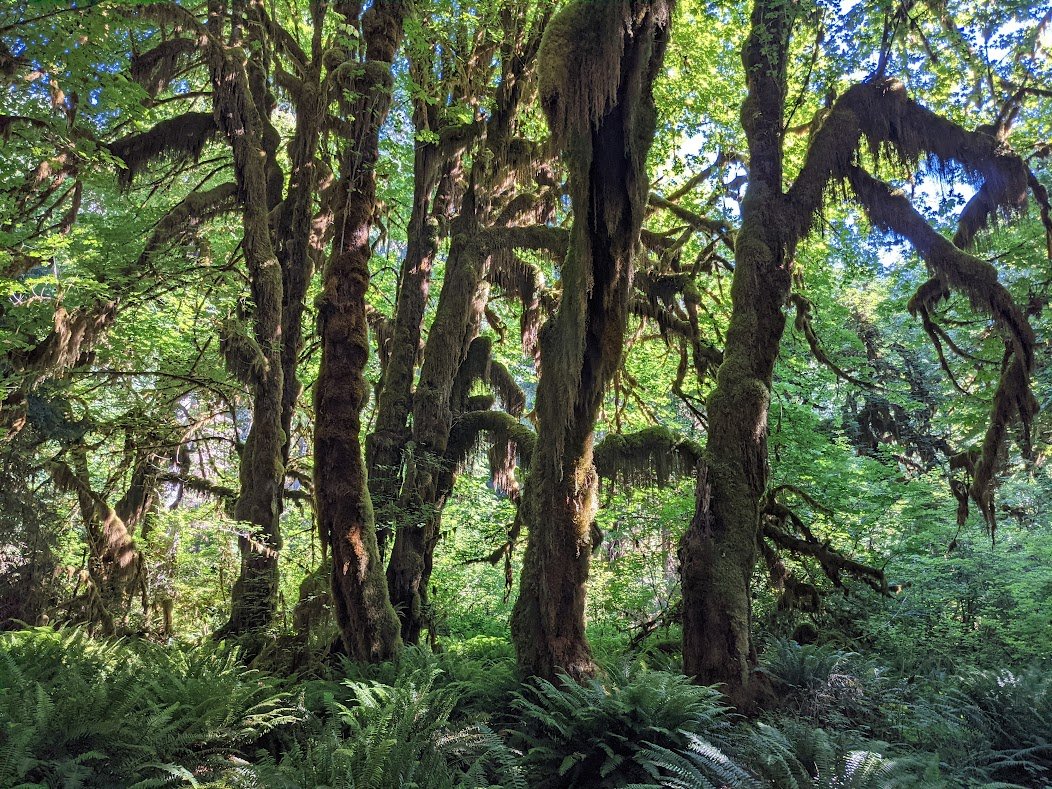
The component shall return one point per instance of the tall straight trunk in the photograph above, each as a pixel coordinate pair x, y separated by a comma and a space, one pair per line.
262, 471
368, 624
719, 549
601, 110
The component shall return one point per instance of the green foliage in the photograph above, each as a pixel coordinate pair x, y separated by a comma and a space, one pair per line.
391, 736
599, 734
80, 712
477, 673
1006, 718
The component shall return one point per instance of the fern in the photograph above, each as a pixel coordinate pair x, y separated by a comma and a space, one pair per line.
701, 766
798, 756
80, 712
606, 735
387, 736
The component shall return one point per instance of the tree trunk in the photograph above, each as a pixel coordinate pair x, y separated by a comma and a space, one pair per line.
367, 622
262, 472
385, 444
115, 565
428, 474
601, 110
297, 235
445, 350
719, 549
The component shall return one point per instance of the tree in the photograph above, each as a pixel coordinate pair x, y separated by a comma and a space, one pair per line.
366, 619
719, 550
597, 67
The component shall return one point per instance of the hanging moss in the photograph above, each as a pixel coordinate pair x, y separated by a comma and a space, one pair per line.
579, 63
524, 282
503, 460
508, 391
977, 279
469, 433
652, 456
175, 139
155, 68
242, 354
597, 64
74, 335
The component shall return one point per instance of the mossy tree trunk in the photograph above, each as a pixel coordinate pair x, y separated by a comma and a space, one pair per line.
433, 163
428, 476
241, 120
114, 563
597, 64
299, 232
719, 549
232, 45
367, 622
445, 349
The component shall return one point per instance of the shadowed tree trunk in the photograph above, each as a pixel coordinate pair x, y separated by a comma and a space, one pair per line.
262, 473
446, 348
299, 233
367, 622
720, 548
432, 164
597, 65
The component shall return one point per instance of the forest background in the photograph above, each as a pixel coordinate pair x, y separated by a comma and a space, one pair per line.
313, 312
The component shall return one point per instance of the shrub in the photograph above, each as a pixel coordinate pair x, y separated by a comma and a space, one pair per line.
605, 735
391, 736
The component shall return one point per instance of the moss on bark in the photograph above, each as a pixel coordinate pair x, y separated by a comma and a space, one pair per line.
598, 100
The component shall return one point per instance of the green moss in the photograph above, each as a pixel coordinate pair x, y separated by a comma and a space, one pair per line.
579, 63
654, 455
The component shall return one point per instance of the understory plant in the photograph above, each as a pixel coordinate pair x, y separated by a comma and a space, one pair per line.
75, 711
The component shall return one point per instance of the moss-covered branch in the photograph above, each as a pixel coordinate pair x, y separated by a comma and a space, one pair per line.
155, 68
175, 139
977, 279
804, 544
465, 436
803, 323
652, 456
537, 237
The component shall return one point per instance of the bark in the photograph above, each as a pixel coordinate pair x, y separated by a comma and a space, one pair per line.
298, 231
262, 471
720, 547
428, 474
368, 624
596, 80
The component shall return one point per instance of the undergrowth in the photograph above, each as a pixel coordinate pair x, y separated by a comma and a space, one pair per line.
78, 712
